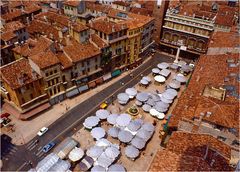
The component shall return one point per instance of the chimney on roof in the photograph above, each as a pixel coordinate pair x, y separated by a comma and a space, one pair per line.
67, 39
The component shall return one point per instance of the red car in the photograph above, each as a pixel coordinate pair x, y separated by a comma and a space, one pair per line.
5, 115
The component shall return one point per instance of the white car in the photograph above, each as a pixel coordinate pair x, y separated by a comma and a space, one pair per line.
42, 131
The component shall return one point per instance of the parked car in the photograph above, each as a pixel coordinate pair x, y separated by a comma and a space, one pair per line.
104, 105
48, 147
5, 115
42, 131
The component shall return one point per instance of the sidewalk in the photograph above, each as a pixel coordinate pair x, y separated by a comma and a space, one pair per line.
26, 130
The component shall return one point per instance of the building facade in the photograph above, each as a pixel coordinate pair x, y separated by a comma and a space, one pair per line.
187, 31
24, 88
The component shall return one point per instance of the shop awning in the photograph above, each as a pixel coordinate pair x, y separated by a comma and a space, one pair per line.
116, 73
72, 93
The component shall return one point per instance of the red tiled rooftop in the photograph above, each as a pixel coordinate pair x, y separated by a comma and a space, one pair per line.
14, 25
210, 71
71, 3
194, 144
43, 28
78, 52
97, 7
13, 72
12, 15
107, 27
186, 152
6, 36
78, 27
141, 11
98, 41
166, 160
31, 8
53, 17
66, 63
45, 59
121, 3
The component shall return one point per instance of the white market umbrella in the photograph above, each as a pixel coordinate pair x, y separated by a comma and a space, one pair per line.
125, 136
138, 142
155, 70
146, 107
163, 65
98, 133
134, 125
132, 92
123, 97
174, 84
98, 168
116, 168
172, 92
112, 152
111, 119
144, 82
159, 79
113, 132
148, 127
91, 121
168, 96
102, 113
76, 154
103, 142
180, 78
147, 78
94, 151
123, 120
131, 152
142, 97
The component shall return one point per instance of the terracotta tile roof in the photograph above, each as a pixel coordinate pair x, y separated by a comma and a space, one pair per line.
7, 36
78, 27
107, 27
186, 151
43, 28
14, 4
98, 41
71, 3
211, 71
121, 3
138, 19
42, 45
12, 15
141, 11
18, 73
31, 8
225, 19
64, 60
193, 144
97, 7
45, 59
225, 39
14, 25
78, 52
53, 17
166, 160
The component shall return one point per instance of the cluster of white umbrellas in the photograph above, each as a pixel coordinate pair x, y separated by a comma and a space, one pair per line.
104, 153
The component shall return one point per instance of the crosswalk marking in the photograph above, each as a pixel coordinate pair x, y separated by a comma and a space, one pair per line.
39, 152
32, 147
29, 143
